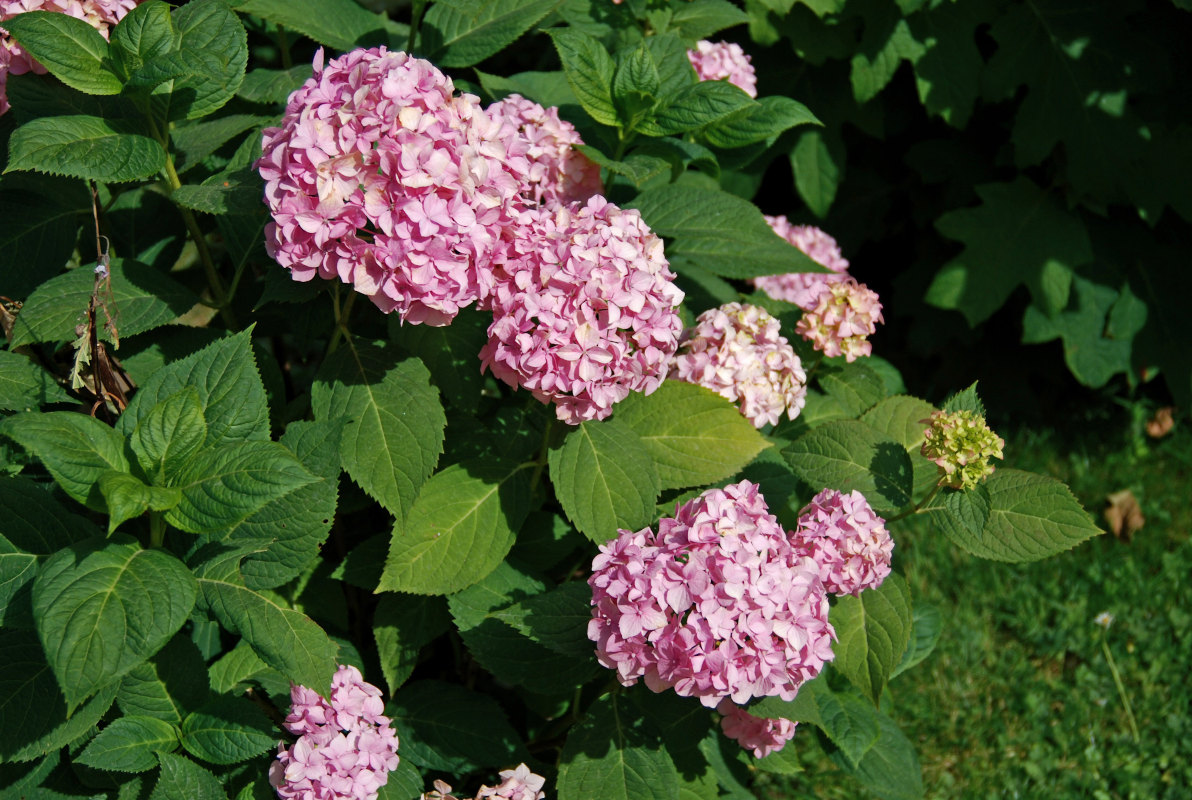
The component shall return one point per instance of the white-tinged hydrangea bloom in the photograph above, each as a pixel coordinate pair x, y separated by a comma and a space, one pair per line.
845, 313
381, 178
803, 288
762, 735
846, 539
557, 172
716, 604
714, 61
584, 309
736, 351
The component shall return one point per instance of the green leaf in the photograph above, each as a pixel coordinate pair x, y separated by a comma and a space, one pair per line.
637, 168
693, 435
130, 744
855, 387
166, 686
286, 640
228, 730
698, 105
32, 707
84, 147
604, 479
890, 769
463, 34
545, 88
225, 485
71, 49
395, 430
635, 86
237, 666
712, 228
142, 299
145, 32
610, 755
402, 625
847, 719
127, 497
848, 455
196, 141
557, 619
450, 352
38, 226
872, 632
926, 625
169, 435
460, 528
341, 24
901, 418
589, 69
24, 385
230, 391
183, 779
761, 123
1091, 352
273, 86
966, 399
873, 68
76, 450
104, 606
1030, 517
443, 726
674, 68
700, 19
817, 171
1019, 235
948, 72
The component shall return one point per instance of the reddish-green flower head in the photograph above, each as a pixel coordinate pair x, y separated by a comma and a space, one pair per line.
961, 444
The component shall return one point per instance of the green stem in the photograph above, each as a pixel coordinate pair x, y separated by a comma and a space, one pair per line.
415, 23
1117, 679
157, 529
917, 507
540, 463
341, 320
283, 46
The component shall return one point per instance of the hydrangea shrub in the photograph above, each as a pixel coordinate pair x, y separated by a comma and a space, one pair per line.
601, 476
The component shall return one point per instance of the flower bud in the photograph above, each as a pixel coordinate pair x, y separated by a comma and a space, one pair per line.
961, 444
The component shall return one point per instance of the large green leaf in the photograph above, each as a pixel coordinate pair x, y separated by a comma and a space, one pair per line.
395, 421
285, 639
890, 769
145, 32
948, 71
24, 385
183, 779
712, 228
402, 625
449, 352
84, 147
273, 85
460, 528
226, 731
71, 49
39, 220
901, 418
130, 744
926, 626
846, 718
874, 66
604, 478
849, 455
817, 171
76, 450
460, 34
444, 726
590, 70
693, 435
696, 106
167, 686
104, 606
872, 633
700, 19
1030, 517
341, 24
610, 755
169, 435
557, 619
762, 122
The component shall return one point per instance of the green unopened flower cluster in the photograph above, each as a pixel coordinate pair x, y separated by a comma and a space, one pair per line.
961, 444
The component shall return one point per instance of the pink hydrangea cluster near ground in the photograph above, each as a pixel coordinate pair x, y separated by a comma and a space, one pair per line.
845, 314
716, 604
14, 60
847, 539
382, 178
557, 173
516, 784
803, 288
346, 746
736, 351
584, 309
714, 61
762, 735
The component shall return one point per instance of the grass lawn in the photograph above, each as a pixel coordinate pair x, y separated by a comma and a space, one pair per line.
1019, 699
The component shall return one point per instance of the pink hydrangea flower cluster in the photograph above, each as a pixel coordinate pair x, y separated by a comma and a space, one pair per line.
715, 61
346, 747
379, 176
736, 351
848, 541
516, 784
584, 309
99, 14
557, 172
803, 288
716, 604
845, 313
762, 735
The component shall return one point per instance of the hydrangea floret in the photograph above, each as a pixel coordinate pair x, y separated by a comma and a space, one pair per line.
716, 604
846, 539
556, 172
380, 177
961, 444
803, 288
762, 735
346, 747
714, 61
845, 313
737, 351
15, 60
516, 784
584, 309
